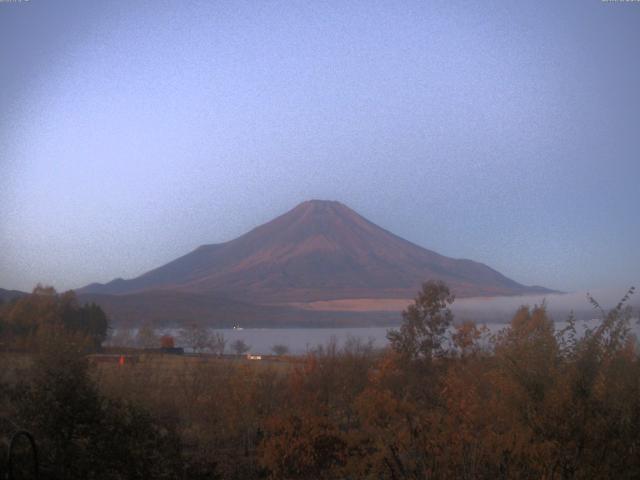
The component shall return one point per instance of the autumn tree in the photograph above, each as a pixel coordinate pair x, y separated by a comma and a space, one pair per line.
166, 341
425, 323
470, 339
309, 435
597, 417
45, 309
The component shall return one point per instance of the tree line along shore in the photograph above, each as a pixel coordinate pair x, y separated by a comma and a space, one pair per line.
527, 402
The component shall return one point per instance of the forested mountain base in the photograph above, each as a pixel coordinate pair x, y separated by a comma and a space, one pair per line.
527, 403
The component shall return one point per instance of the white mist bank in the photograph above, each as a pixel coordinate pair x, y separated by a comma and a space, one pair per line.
558, 305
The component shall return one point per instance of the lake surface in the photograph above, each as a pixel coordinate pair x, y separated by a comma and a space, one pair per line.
489, 310
301, 340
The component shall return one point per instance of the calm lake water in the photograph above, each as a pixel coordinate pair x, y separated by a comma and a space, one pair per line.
301, 340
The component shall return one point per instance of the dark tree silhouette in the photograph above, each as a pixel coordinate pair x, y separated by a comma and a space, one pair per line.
240, 347
425, 323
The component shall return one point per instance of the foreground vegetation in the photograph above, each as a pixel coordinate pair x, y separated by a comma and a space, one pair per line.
529, 402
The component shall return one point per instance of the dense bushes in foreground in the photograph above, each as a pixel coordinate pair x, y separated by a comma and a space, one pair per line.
81, 433
529, 402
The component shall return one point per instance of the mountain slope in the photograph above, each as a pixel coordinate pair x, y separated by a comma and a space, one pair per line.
171, 308
9, 295
320, 250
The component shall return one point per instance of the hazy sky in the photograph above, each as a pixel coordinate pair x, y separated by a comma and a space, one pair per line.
506, 132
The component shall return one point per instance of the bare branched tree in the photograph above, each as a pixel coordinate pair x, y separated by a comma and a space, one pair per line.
196, 337
240, 347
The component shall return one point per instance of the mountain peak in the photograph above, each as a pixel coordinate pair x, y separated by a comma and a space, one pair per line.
318, 202
319, 250
318, 206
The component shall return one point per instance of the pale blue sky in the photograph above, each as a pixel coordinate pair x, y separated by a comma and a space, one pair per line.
506, 132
